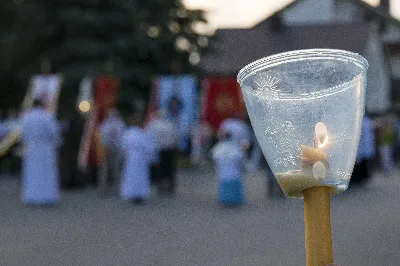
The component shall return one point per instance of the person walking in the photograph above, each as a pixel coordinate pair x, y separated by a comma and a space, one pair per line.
229, 165
40, 138
166, 135
139, 151
110, 137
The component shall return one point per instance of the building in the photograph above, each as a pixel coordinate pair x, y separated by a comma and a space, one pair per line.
342, 24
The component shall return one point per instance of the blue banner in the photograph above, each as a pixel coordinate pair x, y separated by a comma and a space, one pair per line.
177, 95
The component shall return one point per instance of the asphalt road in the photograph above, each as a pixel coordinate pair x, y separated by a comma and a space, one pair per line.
192, 230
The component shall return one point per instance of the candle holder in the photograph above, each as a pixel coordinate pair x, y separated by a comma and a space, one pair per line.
306, 109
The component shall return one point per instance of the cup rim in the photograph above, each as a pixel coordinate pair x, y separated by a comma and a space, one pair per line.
296, 55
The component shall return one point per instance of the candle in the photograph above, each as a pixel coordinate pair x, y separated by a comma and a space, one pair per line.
311, 155
314, 159
314, 167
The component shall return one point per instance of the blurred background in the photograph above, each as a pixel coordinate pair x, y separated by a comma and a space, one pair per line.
177, 61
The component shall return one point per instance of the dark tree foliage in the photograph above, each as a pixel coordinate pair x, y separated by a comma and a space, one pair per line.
130, 39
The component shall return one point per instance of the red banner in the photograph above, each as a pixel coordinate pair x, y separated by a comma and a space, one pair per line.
221, 99
105, 90
153, 106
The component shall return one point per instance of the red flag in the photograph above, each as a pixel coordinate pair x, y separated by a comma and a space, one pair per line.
221, 99
105, 90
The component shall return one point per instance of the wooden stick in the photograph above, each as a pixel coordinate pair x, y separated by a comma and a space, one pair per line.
317, 222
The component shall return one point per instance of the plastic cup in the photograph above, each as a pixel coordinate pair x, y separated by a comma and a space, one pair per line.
306, 108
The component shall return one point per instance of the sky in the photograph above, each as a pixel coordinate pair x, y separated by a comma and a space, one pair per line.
246, 13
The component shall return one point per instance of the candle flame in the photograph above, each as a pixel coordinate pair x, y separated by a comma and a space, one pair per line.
321, 135
323, 143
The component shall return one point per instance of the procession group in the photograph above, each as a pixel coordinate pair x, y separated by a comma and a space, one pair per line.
137, 153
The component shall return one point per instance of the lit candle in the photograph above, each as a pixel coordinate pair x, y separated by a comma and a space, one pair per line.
313, 165
314, 159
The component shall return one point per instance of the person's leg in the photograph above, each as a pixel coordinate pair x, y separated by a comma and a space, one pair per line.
171, 170
14, 162
138, 201
386, 158
164, 172
365, 169
76, 176
167, 170
103, 175
273, 187
195, 155
1, 165
356, 174
391, 161
157, 173
6, 163
115, 170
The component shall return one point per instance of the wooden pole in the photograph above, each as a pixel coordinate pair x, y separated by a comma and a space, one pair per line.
317, 222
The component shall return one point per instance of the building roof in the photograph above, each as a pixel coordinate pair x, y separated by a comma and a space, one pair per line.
235, 48
379, 11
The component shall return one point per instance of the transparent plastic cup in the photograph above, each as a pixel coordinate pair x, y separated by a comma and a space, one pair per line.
306, 108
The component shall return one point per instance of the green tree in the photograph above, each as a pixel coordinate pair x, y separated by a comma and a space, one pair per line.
173, 27
133, 40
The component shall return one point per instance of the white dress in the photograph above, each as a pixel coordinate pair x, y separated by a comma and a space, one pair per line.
228, 159
239, 130
139, 152
40, 137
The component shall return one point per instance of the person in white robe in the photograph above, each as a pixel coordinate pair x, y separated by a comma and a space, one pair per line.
110, 136
239, 131
40, 138
229, 166
139, 151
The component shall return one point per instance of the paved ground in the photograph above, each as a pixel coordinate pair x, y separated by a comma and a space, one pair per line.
192, 230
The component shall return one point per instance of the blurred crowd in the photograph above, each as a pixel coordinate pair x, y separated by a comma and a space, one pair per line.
141, 152
379, 147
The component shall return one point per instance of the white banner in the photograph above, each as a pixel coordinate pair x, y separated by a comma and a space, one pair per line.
47, 88
44, 87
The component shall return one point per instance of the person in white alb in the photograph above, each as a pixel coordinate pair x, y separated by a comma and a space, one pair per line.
229, 167
139, 152
40, 135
